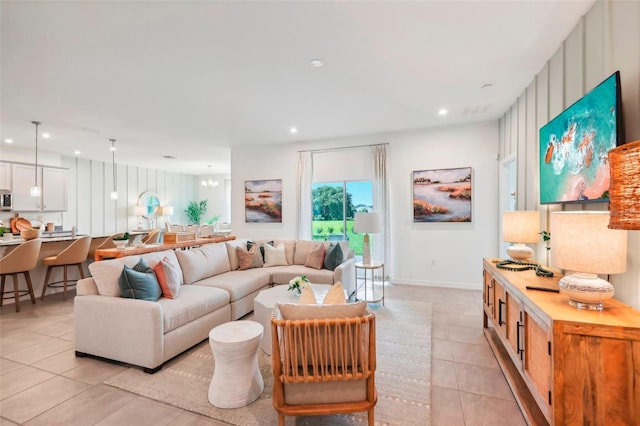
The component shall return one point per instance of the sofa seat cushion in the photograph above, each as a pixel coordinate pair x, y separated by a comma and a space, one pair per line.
284, 274
193, 303
238, 283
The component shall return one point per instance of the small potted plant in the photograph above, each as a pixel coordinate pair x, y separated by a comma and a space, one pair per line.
121, 241
298, 284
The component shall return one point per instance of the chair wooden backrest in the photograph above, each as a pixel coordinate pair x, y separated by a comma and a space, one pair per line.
340, 351
152, 237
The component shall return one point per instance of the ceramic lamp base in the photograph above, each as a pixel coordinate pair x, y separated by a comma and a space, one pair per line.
520, 252
366, 250
586, 291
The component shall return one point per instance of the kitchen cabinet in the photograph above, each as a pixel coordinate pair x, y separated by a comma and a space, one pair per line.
23, 179
565, 366
54, 189
5, 176
53, 184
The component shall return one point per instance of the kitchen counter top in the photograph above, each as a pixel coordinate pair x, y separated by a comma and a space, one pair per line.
45, 238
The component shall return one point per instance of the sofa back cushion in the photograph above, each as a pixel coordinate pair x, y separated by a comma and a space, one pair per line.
289, 249
303, 247
203, 262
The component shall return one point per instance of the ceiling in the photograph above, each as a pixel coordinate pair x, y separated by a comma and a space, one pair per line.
192, 79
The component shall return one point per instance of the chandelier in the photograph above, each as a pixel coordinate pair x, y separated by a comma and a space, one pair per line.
209, 183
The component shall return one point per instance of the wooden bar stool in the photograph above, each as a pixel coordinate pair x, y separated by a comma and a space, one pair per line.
152, 238
74, 254
20, 260
107, 243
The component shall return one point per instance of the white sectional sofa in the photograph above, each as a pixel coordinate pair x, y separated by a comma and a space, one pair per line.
213, 291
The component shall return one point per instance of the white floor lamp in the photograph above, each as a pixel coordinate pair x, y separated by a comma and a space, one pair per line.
367, 223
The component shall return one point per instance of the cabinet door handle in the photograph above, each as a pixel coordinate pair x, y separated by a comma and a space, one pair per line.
519, 339
500, 305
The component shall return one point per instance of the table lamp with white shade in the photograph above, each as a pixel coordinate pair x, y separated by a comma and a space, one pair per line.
582, 243
167, 211
139, 211
521, 227
367, 223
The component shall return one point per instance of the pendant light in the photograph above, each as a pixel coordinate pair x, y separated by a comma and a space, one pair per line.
210, 183
35, 189
114, 193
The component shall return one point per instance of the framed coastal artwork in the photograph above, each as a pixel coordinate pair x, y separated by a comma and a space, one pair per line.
263, 201
442, 195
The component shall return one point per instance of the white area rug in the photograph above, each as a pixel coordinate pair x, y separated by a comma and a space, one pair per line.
403, 377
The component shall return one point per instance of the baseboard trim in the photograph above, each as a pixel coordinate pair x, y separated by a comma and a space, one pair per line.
457, 285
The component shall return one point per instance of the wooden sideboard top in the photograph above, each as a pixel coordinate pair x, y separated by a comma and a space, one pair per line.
556, 306
111, 253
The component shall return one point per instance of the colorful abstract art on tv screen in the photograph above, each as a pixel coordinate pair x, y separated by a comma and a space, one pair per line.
574, 147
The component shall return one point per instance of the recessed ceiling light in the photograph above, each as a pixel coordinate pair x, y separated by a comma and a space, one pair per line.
46, 135
443, 111
317, 63
486, 86
293, 130
76, 152
8, 140
169, 157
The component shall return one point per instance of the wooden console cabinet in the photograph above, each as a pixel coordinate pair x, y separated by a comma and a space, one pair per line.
565, 366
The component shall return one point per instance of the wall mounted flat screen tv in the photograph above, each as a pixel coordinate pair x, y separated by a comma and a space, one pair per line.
574, 147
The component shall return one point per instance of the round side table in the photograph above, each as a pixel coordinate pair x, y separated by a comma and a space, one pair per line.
236, 379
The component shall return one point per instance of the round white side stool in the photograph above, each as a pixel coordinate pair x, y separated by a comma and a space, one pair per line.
236, 379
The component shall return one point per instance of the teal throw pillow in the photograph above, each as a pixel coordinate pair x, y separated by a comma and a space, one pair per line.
139, 282
333, 257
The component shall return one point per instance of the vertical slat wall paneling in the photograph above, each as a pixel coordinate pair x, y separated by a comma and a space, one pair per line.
69, 217
507, 133
556, 86
626, 39
574, 65
501, 138
132, 197
594, 47
542, 117
513, 145
119, 219
143, 182
84, 190
110, 206
521, 151
99, 192
532, 164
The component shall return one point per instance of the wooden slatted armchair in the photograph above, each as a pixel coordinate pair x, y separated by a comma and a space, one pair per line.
323, 365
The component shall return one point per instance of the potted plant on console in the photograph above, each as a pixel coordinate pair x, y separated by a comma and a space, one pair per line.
121, 241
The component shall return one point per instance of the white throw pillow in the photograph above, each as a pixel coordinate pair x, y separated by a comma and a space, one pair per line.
274, 256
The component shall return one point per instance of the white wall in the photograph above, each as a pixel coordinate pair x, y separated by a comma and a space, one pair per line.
215, 196
457, 249
606, 39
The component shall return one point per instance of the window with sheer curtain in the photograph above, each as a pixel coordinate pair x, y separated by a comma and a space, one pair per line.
350, 171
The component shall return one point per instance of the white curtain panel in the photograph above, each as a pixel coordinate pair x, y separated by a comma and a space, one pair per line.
305, 176
381, 242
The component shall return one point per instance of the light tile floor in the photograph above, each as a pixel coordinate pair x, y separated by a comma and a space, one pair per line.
43, 383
